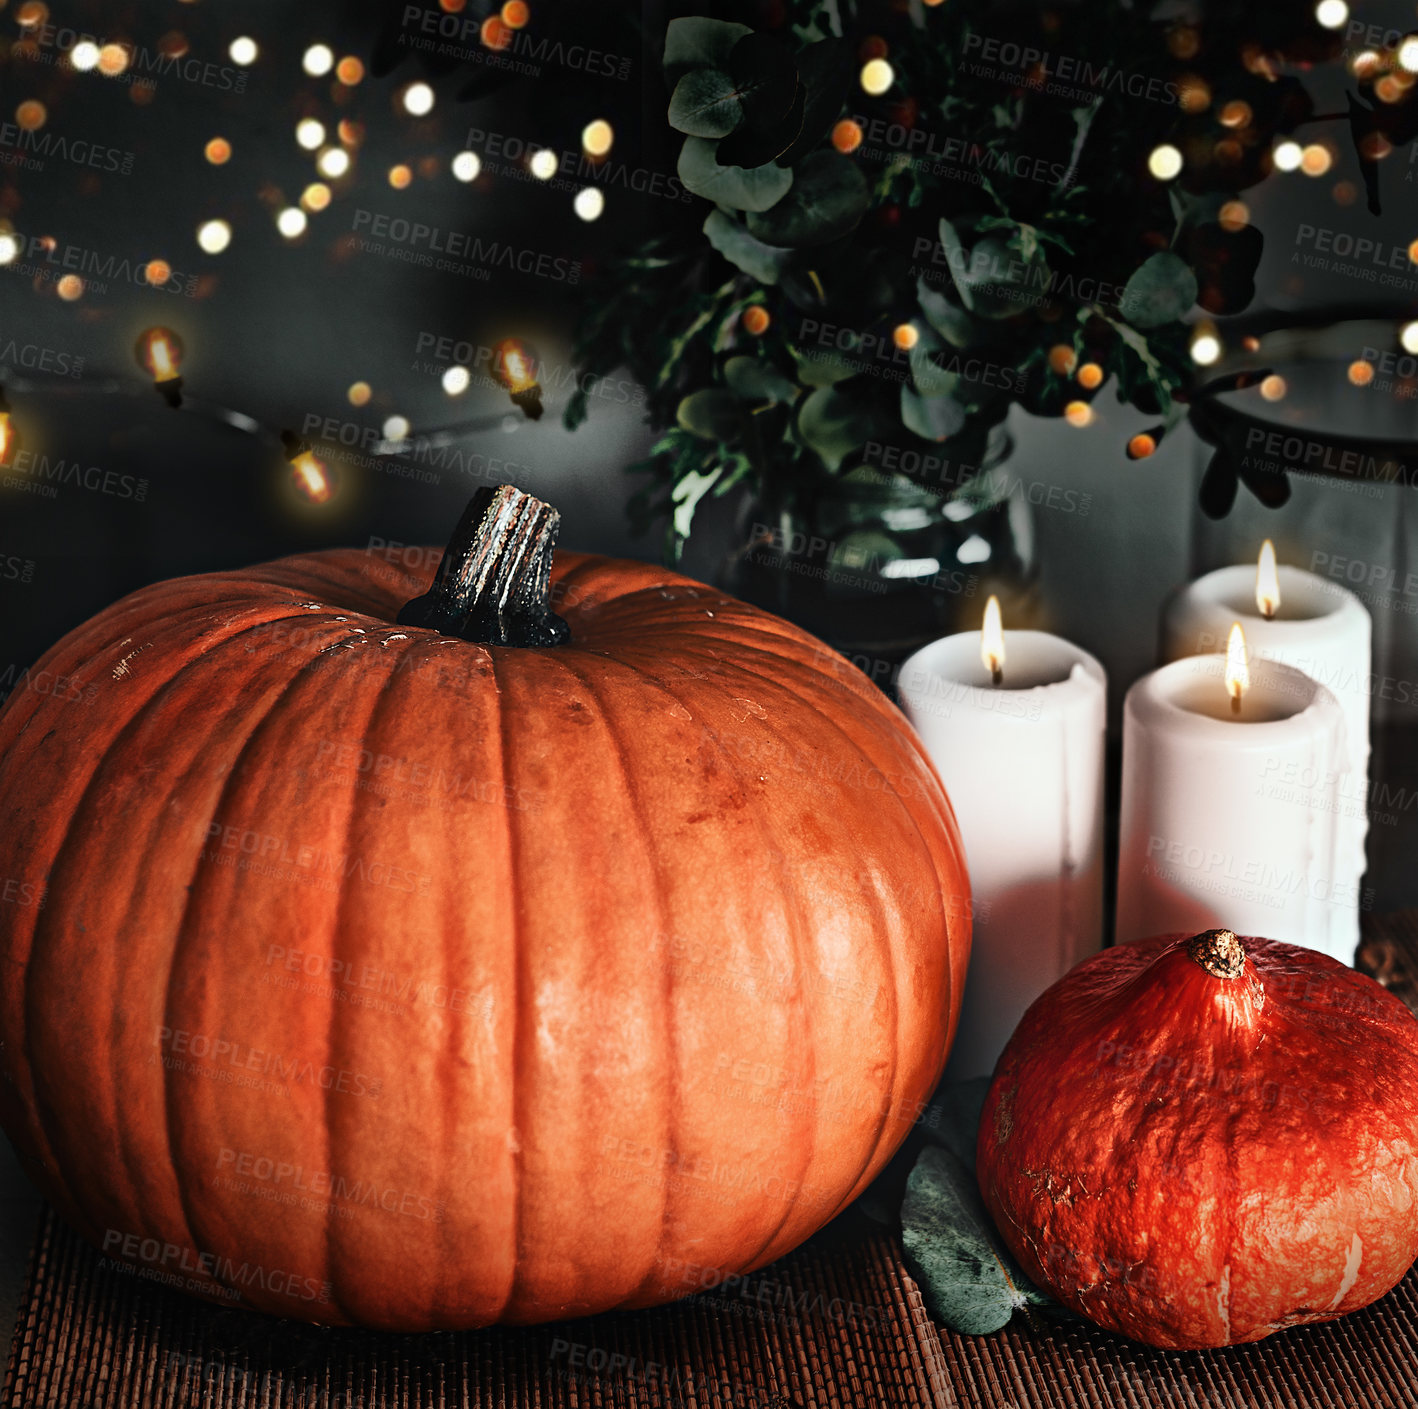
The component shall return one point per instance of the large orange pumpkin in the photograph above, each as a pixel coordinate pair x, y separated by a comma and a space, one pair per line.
360, 972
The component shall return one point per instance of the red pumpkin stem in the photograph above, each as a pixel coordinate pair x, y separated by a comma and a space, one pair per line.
1219, 952
493, 585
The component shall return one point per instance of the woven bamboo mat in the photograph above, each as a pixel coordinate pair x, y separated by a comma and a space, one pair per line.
837, 1324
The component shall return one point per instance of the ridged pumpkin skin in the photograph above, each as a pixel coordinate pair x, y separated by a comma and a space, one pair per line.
1194, 1160
366, 975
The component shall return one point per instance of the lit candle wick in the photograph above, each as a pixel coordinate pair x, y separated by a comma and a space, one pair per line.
992, 642
1267, 581
1238, 675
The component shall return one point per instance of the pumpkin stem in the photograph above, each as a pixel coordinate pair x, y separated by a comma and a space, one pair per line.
493, 585
1219, 952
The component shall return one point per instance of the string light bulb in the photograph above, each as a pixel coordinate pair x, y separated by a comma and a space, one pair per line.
876, 77
9, 436
159, 353
514, 366
1205, 345
309, 472
597, 137
318, 60
1165, 162
243, 51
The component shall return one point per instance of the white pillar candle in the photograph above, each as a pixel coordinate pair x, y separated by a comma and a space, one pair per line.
1022, 762
1318, 627
1231, 820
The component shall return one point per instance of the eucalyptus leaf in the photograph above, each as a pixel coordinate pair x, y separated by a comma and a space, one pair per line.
957, 259
953, 1119
829, 196
732, 240
1161, 290
833, 424
766, 74
825, 71
698, 42
931, 417
753, 189
686, 496
953, 1251
753, 144
947, 318
712, 413
822, 368
757, 379
706, 103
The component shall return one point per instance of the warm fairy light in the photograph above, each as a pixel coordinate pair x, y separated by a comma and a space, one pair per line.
542, 164
755, 320
318, 60
418, 100
159, 352
1315, 160
877, 76
1287, 156
1374, 146
243, 50
513, 366
1408, 336
1236, 114
1184, 41
1078, 413
1332, 13
516, 13
309, 133
494, 33
1062, 359
1360, 373
1267, 581
1090, 376
396, 428
112, 60
1408, 53
1273, 387
349, 71
84, 55
1413, 252
1165, 162
1251, 343
992, 640
311, 477
1366, 64
291, 222
400, 176
1234, 215
1205, 345
31, 14
467, 166
70, 287
30, 116
590, 201
1193, 94
9, 248
597, 137
905, 336
456, 380
1140, 446
1238, 673
316, 196
847, 135
350, 133
157, 271
217, 151
214, 236
359, 393
333, 162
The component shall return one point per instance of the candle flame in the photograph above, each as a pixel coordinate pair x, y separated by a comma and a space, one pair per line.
992, 638
1238, 673
311, 477
1267, 581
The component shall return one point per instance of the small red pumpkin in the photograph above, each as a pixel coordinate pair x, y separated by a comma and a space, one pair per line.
1198, 1142
416, 966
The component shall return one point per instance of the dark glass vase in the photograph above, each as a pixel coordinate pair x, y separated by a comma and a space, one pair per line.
877, 564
